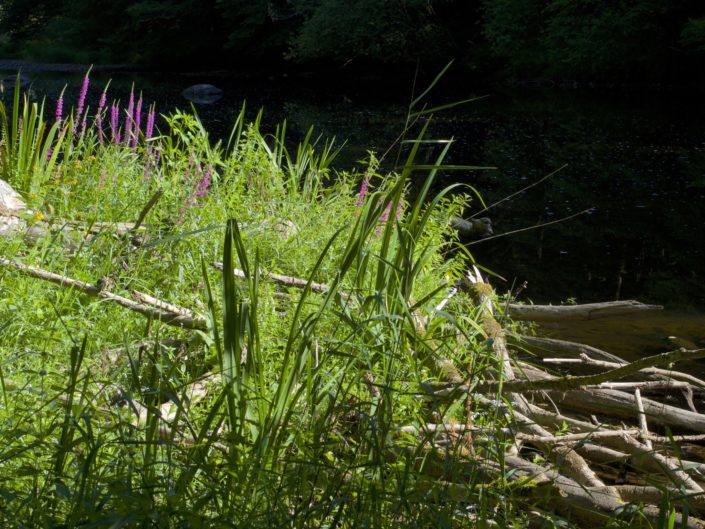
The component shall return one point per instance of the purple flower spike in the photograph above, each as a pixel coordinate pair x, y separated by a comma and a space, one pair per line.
114, 123
363, 191
99, 114
385, 213
103, 99
99, 126
138, 119
60, 107
82, 99
149, 130
129, 118
204, 183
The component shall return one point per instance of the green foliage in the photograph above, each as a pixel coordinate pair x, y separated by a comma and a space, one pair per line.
29, 146
693, 34
287, 410
390, 32
513, 30
590, 39
583, 39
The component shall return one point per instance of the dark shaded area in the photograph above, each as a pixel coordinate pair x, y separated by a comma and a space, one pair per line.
654, 41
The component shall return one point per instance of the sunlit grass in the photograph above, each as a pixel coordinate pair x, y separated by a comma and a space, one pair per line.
296, 407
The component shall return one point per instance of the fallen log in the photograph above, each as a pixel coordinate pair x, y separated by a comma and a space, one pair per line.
588, 311
549, 346
177, 319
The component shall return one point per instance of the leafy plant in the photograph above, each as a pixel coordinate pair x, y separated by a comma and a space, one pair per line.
29, 146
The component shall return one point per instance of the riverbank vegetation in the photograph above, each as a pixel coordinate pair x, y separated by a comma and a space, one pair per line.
598, 40
224, 335
279, 405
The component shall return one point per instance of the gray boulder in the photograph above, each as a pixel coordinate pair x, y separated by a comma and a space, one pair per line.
203, 94
473, 228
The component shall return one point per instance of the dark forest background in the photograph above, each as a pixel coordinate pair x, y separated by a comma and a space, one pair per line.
599, 40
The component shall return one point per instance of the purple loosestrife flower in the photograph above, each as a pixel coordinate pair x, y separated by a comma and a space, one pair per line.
81, 100
60, 107
149, 130
203, 183
114, 123
385, 213
399, 211
138, 119
128, 119
363, 191
99, 126
99, 115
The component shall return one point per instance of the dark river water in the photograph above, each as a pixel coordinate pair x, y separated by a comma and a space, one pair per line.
634, 158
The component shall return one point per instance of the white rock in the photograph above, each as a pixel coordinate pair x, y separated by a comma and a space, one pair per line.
11, 204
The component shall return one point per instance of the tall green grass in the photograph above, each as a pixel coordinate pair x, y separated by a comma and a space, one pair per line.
29, 145
298, 407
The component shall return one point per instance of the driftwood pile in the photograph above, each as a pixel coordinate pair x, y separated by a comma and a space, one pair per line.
609, 435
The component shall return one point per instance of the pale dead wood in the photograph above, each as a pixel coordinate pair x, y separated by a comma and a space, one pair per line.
645, 385
572, 382
654, 495
576, 437
672, 468
588, 311
643, 426
287, 281
161, 304
546, 346
169, 318
621, 405
618, 446
669, 373
565, 458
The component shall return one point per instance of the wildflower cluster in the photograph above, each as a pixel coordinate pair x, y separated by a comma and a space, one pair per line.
197, 181
362, 195
128, 133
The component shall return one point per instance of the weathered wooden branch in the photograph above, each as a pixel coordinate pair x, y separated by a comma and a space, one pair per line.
169, 318
665, 373
287, 281
572, 382
588, 311
160, 304
549, 346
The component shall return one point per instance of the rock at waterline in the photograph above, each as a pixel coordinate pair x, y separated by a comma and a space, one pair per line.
473, 229
203, 94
